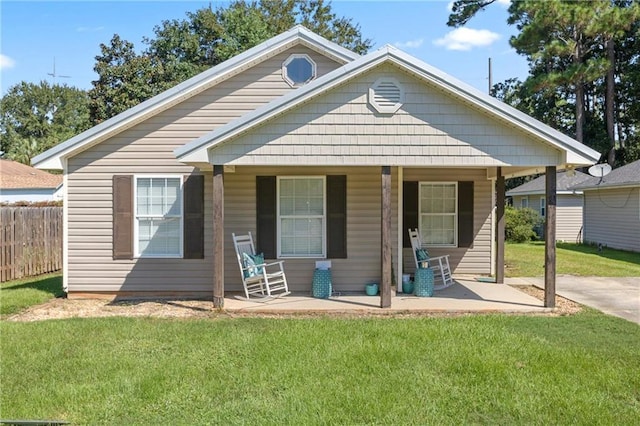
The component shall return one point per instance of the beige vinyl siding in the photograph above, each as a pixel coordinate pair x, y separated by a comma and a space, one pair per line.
147, 148
430, 129
363, 225
468, 260
569, 218
612, 217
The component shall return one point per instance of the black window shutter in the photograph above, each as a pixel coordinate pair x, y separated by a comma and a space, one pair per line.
193, 238
122, 216
336, 217
465, 214
409, 210
266, 217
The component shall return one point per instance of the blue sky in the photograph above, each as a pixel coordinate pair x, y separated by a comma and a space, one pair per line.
34, 33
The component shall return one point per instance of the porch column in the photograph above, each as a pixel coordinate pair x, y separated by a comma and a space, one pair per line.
499, 227
385, 281
550, 239
218, 236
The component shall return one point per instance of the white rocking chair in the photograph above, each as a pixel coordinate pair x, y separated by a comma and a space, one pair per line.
440, 264
260, 285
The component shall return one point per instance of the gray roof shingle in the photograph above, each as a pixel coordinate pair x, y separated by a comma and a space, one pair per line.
564, 182
628, 175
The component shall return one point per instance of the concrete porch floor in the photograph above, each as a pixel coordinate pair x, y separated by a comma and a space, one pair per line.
466, 296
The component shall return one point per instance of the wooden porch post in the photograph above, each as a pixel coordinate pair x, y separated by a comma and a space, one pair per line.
385, 284
550, 239
500, 227
218, 236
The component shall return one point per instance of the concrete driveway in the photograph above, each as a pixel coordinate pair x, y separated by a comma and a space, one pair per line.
614, 296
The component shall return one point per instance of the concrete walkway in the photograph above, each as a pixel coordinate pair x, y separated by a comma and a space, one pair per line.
614, 296
465, 296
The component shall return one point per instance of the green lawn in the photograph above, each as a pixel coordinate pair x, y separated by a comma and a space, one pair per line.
488, 369
20, 294
527, 260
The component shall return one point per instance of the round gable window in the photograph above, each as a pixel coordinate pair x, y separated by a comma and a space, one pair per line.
298, 70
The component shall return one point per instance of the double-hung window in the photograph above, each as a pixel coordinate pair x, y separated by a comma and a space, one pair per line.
543, 206
524, 203
158, 216
301, 217
439, 213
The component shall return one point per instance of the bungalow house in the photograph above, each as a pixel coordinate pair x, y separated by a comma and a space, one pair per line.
569, 202
319, 152
612, 208
22, 183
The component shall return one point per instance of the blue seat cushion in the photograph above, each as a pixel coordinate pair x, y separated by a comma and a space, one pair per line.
251, 262
423, 257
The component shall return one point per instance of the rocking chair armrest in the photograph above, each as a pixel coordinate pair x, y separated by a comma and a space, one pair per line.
278, 262
438, 257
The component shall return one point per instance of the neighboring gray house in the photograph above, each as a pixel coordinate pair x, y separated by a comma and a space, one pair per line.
319, 152
22, 183
569, 202
612, 208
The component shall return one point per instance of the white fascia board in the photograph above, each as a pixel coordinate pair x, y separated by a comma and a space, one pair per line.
51, 159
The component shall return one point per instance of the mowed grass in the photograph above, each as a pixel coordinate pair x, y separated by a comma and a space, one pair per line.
527, 260
17, 295
488, 369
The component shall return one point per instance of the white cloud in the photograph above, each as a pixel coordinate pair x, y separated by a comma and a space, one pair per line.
466, 39
89, 29
450, 6
504, 2
6, 62
411, 44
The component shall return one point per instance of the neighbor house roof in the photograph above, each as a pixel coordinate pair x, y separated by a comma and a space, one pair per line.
52, 159
14, 175
565, 181
624, 176
197, 150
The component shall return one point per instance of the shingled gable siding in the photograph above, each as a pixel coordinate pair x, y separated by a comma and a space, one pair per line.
430, 129
147, 148
363, 216
336, 216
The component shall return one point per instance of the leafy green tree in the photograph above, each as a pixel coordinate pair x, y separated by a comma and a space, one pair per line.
574, 49
35, 117
182, 48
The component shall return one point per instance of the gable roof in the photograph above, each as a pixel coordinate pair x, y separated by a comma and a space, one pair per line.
14, 175
564, 184
52, 159
577, 153
624, 176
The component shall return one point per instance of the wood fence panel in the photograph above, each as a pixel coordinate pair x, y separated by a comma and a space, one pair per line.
30, 241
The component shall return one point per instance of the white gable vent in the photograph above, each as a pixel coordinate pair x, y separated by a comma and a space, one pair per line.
386, 95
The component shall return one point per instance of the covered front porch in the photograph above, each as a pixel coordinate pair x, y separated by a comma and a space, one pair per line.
467, 295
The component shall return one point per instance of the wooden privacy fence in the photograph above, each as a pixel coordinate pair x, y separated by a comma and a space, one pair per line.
30, 241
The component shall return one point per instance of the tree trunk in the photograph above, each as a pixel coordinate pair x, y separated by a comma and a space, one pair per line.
610, 99
579, 91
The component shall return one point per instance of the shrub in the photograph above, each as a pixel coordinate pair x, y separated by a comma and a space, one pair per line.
520, 224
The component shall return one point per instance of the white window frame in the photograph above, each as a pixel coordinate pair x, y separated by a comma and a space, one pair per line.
291, 58
455, 215
136, 235
524, 202
543, 206
323, 255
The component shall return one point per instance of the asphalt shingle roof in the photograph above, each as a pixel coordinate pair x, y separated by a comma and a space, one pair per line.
14, 175
628, 175
564, 182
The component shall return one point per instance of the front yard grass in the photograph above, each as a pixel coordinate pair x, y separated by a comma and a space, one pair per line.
527, 260
488, 369
17, 295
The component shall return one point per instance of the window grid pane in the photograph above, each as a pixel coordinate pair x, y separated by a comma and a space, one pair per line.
301, 216
158, 215
438, 213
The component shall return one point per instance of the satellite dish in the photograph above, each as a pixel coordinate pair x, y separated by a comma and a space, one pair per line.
599, 170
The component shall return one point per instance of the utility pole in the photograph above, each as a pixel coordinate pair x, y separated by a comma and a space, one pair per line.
490, 77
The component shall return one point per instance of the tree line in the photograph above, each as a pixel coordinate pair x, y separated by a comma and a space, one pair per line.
584, 73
